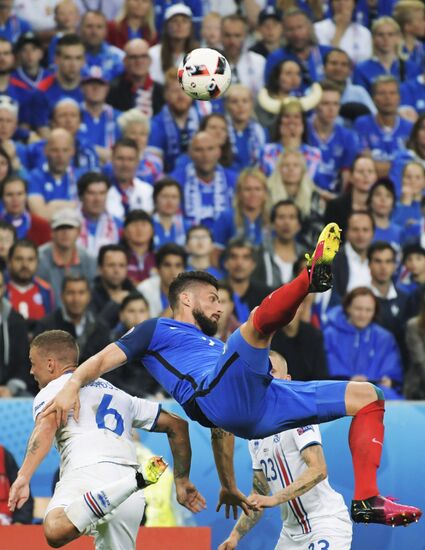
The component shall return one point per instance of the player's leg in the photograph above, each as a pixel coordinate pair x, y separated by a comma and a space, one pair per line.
279, 307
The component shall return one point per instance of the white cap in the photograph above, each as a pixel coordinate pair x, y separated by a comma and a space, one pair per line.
9, 104
177, 9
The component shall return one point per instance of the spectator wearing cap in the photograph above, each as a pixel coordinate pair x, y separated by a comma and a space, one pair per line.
247, 66
98, 228
54, 184
137, 240
412, 273
99, 53
14, 194
29, 54
127, 191
136, 20
162, 7
171, 259
178, 39
67, 116
65, 82
9, 112
75, 317
11, 26
135, 88
63, 256
99, 121
271, 31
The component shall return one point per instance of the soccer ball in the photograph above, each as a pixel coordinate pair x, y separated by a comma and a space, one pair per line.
204, 74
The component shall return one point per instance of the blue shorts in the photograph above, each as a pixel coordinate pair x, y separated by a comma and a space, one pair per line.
242, 397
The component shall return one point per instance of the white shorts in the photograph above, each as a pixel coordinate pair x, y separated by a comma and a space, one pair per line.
117, 530
333, 533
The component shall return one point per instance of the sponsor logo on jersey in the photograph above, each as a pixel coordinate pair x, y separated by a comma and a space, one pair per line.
301, 431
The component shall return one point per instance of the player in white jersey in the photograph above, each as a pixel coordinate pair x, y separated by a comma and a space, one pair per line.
291, 466
100, 479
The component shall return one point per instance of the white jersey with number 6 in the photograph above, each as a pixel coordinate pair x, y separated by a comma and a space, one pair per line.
103, 432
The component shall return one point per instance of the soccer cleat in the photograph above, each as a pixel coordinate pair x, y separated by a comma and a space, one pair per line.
383, 510
319, 263
150, 471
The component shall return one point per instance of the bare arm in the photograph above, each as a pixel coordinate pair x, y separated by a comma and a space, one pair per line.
223, 445
39, 444
246, 523
40, 207
315, 473
67, 398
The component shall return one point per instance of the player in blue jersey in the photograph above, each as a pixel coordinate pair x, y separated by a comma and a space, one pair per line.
230, 389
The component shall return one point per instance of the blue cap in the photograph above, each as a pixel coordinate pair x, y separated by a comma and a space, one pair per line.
270, 13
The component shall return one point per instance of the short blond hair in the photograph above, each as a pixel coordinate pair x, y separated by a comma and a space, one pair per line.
406, 10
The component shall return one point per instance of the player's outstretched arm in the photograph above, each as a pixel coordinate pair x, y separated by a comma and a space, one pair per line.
67, 398
223, 445
315, 473
246, 523
178, 438
39, 444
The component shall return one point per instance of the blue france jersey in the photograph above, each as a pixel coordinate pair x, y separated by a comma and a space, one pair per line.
178, 355
109, 58
384, 143
368, 71
412, 94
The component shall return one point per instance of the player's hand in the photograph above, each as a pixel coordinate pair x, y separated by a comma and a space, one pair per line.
232, 499
19, 493
259, 502
229, 544
66, 399
189, 496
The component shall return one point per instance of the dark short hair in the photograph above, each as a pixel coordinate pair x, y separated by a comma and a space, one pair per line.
66, 40
336, 50
132, 297
414, 248
8, 227
362, 213
103, 250
59, 342
93, 12
379, 246
11, 179
198, 227
382, 182
168, 250
91, 177
125, 142
74, 278
239, 242
187, 279
137, 215
359, 291
162, 184
284, 202
21, 243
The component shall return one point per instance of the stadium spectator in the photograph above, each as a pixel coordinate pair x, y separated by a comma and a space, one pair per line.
207, 186
342, 31
29, 54
290, 132
9, 472
97, 226
39, 15
394, 305
381, 202
338, 146
199, 246
11, 26
211, 31
135, 125
414, 387
247, 66
7, 238
412, 273
385, 133
75, 317
5, 167
110, 9
14, 194
62, 256
351, 266
111, 285
137, 240
135, 20
359, 349
410, 15
412, 93
270, 30
127, 191
169, 223
54, 184
301, 46
363, 176
227, 323
249, 215
196, 8
247, 136
67, 20
216, 125
277, 258
385, 60
170, 260
16, 150
135, 86
239, 262
408, 213
14, 364
174, 126
29, 295
177, 39
355, 100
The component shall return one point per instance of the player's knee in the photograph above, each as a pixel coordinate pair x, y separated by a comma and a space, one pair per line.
54, 536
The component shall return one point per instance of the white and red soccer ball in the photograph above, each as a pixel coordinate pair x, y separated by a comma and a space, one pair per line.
204, 74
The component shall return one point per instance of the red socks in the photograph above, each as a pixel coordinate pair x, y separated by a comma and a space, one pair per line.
366, 438
278, 308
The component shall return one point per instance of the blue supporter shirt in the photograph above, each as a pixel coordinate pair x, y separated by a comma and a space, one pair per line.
85, 157
247, 144
396, 171
109, 58
53, 92
384, 143
33, 108
368, 71
175, 234
225, 229
338, 152
13, 28
412, 94
19, 75
103, 131
393, 234
42, 182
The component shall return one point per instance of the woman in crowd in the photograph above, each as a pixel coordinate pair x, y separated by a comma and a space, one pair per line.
359, 349
168, 221
381, 202
136, 20
408, 212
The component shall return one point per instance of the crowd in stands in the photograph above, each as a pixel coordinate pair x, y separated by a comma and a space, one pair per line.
113, 180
